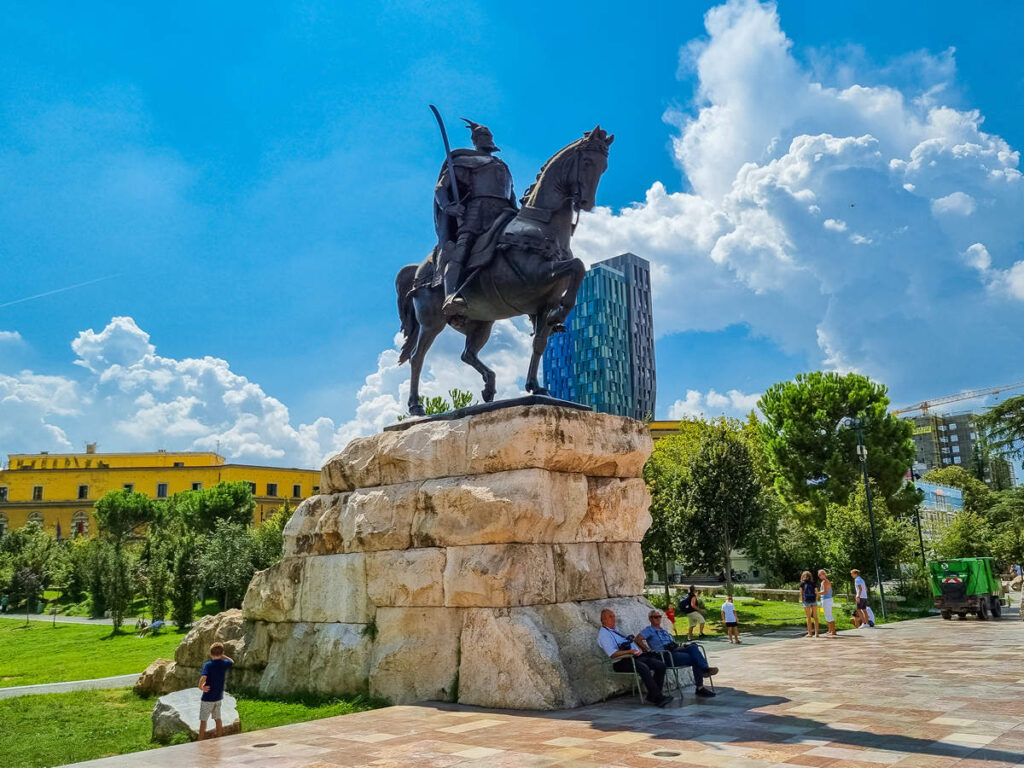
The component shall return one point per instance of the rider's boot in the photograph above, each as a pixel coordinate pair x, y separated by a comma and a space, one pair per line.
453, 303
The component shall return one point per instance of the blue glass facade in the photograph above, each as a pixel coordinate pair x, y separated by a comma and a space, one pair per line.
605, 359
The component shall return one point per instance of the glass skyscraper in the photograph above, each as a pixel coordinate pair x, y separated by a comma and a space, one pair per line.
605, 359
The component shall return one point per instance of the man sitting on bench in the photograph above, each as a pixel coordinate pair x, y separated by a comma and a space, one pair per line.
625, 652
686, 655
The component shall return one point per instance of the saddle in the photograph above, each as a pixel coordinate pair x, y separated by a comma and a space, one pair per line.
511, 229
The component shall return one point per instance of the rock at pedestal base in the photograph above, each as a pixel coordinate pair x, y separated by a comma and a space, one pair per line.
178, 712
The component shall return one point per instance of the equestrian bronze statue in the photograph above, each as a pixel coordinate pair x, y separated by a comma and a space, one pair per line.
493, 260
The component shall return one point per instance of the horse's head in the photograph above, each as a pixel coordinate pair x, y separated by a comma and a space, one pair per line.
572, 174
591, 159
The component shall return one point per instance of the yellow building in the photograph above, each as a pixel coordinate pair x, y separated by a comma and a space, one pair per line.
660, 429
61, 488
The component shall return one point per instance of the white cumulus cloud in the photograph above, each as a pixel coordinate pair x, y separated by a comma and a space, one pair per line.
778, 158
710, 404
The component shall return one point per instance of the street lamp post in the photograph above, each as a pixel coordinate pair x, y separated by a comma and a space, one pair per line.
862, 454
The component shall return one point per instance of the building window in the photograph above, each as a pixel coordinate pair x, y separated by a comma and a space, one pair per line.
80, 523
197, 486
3, 524
83, 491
252, 488
952, 427
179, 464
271, 489
37, 493
130, 487
296, 491
3, 493
36, 517
954, 438
956, 449
956, 459
161, 490
316, 489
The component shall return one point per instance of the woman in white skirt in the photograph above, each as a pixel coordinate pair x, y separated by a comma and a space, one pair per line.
825, 593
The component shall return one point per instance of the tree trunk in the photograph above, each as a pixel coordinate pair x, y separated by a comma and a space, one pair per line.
728, 561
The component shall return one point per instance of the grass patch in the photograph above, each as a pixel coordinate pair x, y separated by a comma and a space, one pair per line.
60, 728
765, 615
43, 653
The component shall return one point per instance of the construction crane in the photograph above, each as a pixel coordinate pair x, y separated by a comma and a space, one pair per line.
970, 394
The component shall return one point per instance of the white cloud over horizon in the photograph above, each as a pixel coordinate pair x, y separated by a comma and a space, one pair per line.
710, 404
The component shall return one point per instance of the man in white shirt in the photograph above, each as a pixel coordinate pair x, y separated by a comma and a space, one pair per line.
626, 651
860, 594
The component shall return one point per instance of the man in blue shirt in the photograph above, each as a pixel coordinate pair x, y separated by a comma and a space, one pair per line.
211, 683
625, 652
687, 655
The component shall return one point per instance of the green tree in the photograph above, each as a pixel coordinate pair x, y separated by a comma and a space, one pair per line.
724, 501
121, 514
266, 541
186, 553
158, 575
663, 477
1004, 426
845, 539
967, 535
27, 586
117, 565
226, 563
813, 454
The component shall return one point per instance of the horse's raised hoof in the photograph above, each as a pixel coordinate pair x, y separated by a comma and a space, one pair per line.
417, 410
488, 395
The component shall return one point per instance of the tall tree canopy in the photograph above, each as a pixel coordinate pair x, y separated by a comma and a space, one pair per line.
1004, 425
813, 453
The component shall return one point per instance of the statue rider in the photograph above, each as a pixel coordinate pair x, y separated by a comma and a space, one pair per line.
484, 186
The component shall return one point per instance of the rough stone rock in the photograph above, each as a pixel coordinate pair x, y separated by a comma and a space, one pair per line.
559, 439
617, 510
416, 655
412, 577
320, 658
334, 589
545, 437
494, 575
623, 566
578, 573
246, 642
163, 676
179, 711
379, 518
273, 594
521, 506
541, 657
300, 526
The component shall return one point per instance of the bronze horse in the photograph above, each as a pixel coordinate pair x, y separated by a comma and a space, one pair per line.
526, 269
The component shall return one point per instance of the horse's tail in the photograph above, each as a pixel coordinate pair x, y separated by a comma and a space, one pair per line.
406, 312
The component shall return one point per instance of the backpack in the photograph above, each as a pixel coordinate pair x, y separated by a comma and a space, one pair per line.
684, 605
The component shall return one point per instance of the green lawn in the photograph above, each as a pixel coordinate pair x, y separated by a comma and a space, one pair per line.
139, 607
43, 653
764, 615
60, 728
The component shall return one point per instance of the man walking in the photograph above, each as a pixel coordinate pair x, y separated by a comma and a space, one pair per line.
860, 594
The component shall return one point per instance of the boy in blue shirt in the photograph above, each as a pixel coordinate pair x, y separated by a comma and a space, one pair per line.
212, 685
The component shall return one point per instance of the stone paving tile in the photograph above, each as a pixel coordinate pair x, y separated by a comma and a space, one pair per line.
911, 695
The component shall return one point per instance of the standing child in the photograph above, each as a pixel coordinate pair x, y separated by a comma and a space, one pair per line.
809, 597
670, 616
825, 593
732, 624
212, 685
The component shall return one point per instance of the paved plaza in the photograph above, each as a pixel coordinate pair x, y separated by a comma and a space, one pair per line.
919, 694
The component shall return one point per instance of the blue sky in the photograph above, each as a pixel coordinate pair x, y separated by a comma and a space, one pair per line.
247, 180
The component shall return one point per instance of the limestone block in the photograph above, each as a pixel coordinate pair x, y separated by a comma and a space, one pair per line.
179, 711
560, 439
523, 505
578, 572
273, 594
428, 450
356, 466
300, 525
334, 589
163, 676
623, 565
327, 536
416, 654
379, 518
511, 660
617, 510
246, 642
412, 577
320, 658
499, 575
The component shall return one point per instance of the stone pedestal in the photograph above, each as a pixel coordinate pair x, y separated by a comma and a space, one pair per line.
464, 560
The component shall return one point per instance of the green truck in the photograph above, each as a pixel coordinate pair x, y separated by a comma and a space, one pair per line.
966, 585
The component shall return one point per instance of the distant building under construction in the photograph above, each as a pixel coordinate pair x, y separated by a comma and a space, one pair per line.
952, 440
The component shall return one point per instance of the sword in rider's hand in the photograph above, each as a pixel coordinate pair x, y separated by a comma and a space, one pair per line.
447, 158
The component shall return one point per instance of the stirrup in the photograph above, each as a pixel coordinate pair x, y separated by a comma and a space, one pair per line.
454, 305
